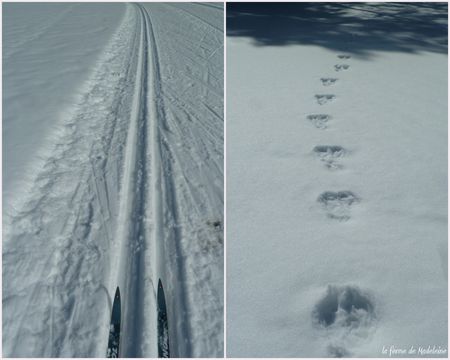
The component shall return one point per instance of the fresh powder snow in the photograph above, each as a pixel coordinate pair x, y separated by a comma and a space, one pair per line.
337, 180
112, 177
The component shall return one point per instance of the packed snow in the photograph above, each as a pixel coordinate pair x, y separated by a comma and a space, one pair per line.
113, 176
337, 180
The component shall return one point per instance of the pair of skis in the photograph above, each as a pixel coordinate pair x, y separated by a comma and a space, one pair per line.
163, 328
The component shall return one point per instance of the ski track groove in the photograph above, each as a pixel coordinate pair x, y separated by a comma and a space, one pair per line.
131, 198
150, 118
97, 193
167, 197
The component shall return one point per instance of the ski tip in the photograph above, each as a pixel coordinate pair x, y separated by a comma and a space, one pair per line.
160, 284
117, 296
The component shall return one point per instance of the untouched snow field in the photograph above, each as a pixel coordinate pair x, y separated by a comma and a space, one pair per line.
336, 180
112, 176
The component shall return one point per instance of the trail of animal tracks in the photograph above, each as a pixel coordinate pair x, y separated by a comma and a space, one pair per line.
337, 201
124, 186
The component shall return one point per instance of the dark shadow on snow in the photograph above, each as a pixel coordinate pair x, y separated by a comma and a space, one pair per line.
355, 28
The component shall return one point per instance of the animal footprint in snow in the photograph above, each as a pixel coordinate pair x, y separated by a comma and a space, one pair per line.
337, 205
345, 306
347, 314
328, 81
341, 67
319, 120
345, 57
330, 155
323, 99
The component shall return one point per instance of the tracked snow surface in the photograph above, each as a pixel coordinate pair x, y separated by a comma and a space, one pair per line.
337, 180
112, 176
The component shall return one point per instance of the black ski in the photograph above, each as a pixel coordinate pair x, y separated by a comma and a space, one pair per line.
163, 328
114, 328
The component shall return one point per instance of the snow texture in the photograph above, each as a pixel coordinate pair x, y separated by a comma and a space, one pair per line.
336, 179
113, 176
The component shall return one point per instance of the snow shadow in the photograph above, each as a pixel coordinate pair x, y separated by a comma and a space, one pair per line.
357, 28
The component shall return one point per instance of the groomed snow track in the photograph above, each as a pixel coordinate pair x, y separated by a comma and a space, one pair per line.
144, 160
113, 205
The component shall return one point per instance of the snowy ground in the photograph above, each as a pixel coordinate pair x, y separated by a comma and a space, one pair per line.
336, 180
113, 176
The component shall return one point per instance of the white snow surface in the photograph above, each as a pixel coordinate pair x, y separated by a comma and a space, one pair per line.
113, 176
336, 224
47, 53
